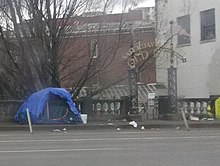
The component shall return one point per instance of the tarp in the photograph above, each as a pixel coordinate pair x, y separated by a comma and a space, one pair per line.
217, 108
36, 104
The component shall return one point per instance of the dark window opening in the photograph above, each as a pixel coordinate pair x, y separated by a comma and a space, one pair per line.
184, 33
207, 24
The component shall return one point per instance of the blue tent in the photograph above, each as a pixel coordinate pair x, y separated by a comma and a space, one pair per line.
49, 106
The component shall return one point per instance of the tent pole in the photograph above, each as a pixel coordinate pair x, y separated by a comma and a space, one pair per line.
29, 121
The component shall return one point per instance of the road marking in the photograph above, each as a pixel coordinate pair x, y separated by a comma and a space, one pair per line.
110, 139
64, 150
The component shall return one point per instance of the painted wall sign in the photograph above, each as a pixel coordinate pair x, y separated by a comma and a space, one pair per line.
138, 53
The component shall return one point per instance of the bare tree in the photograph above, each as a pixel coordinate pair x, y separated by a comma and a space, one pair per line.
32, 34
36, 37
102, 46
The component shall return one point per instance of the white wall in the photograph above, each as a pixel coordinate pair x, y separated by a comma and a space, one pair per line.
200, 75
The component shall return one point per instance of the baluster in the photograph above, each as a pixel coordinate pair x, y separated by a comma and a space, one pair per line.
192, 105
198, 107
204, 107
112, 107
99, 108
185, 107
105, 108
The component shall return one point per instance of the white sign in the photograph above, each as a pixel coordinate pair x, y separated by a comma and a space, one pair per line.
151, 95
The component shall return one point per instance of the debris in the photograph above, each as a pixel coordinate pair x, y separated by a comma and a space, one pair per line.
178, 128
109, 120
110, 124
142, 128
193, 118
133, 123
210, 119
203, 119
118, 129
64, 129
124, 120
84, 118
56, 130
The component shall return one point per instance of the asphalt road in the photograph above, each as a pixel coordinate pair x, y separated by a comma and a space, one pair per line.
111, 148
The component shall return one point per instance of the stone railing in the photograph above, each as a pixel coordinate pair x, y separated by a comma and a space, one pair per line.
116, 108
99, 108
8, 109
194, 106
105, 107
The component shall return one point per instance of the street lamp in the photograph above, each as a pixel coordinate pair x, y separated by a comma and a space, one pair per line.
133, 76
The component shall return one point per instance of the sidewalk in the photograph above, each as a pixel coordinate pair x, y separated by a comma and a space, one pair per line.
97, 125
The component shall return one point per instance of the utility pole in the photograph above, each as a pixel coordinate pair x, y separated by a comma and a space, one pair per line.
172, 76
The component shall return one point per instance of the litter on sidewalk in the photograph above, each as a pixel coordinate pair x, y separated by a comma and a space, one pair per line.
56, 130
133, 123
193, 118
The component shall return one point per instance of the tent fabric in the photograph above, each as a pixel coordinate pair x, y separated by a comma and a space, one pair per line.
36, 104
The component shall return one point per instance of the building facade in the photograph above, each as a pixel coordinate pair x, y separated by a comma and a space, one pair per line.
112, 35
194, 28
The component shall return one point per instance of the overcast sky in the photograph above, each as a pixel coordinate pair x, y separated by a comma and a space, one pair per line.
140, 3
147, 3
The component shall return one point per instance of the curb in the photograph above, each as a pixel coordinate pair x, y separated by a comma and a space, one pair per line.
101, 126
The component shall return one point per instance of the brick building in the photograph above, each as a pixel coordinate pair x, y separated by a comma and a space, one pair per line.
106, 39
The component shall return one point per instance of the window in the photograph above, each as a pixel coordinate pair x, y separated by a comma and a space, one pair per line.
94, 48
184, 33
207, 24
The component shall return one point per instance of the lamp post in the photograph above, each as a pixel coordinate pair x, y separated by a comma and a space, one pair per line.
133, 76
172, 76
133, 90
